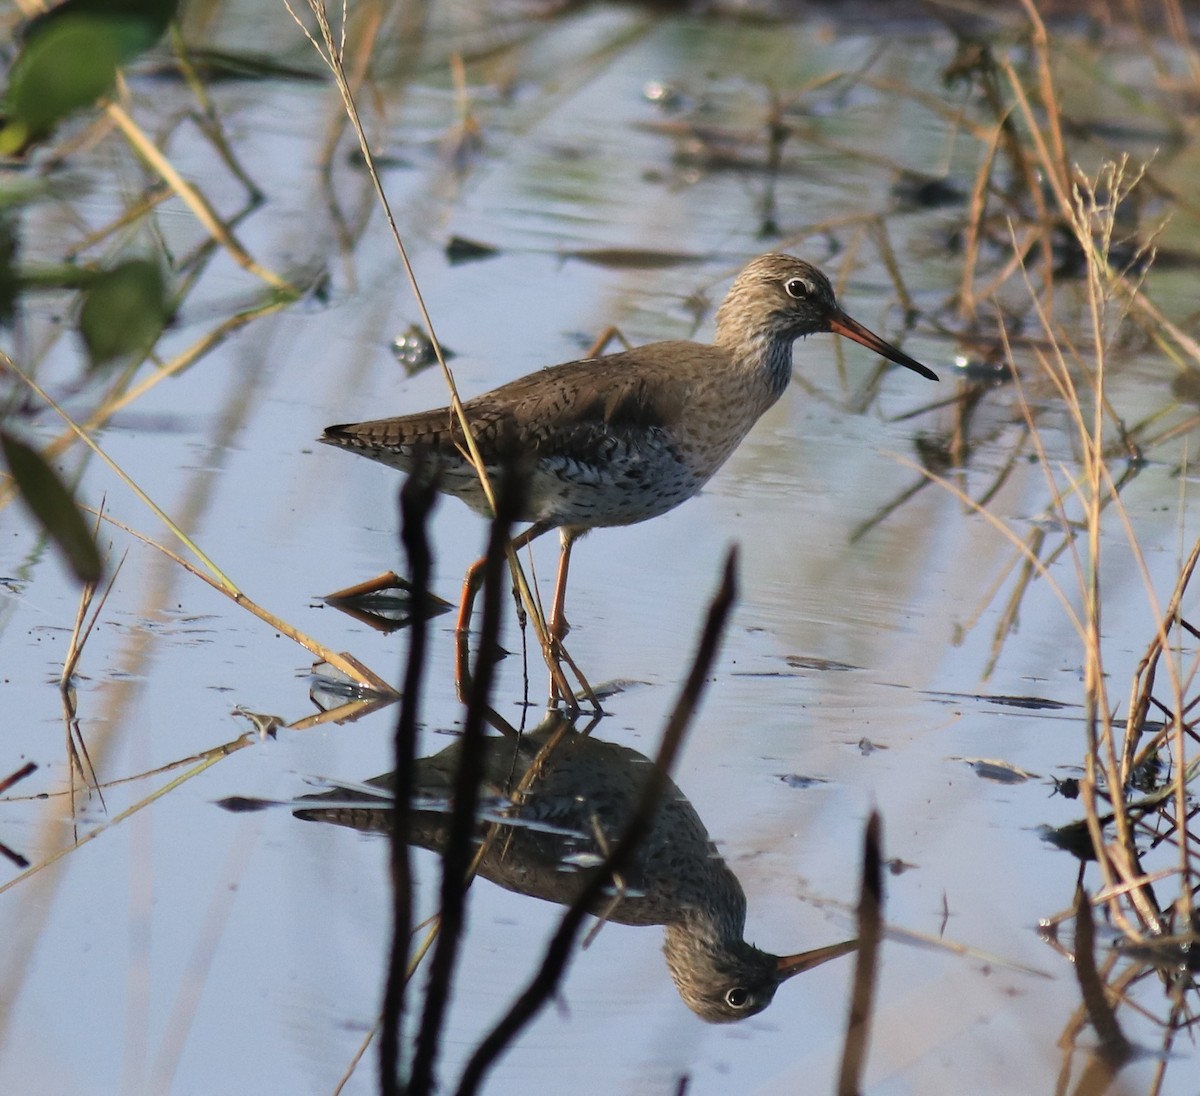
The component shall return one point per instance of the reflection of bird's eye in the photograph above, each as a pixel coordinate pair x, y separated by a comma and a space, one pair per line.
737, 997
798, 288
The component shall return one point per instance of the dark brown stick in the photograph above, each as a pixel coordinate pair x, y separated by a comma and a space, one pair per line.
458, 853
870, 927
416, 500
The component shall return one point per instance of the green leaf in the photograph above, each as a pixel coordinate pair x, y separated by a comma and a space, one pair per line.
70, 60
66, 66
146, 19
124, 310
53, 505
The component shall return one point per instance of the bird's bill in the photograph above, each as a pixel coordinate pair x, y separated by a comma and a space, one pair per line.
841, 324
787, 965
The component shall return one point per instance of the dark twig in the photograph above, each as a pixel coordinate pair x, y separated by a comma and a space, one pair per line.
561, 946
416, 500
870, 926
457, 855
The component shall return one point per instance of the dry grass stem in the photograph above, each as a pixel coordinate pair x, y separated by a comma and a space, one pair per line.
195, 201
332, 53
347, 664
126, 479
210, 760
80, 633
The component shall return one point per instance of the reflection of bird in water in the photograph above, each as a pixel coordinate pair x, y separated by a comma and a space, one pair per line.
547, 843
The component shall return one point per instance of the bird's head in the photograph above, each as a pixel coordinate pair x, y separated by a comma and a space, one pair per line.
779, 298
723, 982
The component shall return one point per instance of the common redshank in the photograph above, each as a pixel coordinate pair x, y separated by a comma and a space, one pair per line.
622, 438
556, 819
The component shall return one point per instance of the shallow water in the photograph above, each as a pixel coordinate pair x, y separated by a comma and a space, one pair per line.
192, 949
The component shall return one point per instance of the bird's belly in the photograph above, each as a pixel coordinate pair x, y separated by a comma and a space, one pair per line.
635, 487
616, 481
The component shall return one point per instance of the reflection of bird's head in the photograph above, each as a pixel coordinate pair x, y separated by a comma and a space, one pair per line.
727, 980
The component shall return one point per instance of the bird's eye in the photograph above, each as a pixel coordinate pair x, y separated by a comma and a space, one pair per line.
798, 288
738, 997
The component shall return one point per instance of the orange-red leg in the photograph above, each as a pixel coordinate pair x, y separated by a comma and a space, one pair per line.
474, 576
558, 620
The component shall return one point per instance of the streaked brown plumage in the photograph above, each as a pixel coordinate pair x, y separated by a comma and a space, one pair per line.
622, 438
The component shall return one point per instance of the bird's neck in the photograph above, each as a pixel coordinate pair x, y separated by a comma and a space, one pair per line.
698, 949
715, 921
767, 358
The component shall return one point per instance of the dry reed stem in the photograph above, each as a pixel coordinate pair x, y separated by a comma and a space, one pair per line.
1085, 212
346, 663
121, 474
1114, 1048
195, 200
80, 633
331, 54
74, 646
1024, 167
210, 759
1162, 639
1057, 166
1125, 854
78, 755
350, 712
1098, 714
976, 210
1096, 490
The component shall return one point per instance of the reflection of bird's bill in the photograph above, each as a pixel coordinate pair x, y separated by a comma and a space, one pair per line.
806, 960
841, 324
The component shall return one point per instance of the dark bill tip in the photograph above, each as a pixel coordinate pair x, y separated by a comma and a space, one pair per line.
787, 965
841, 324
